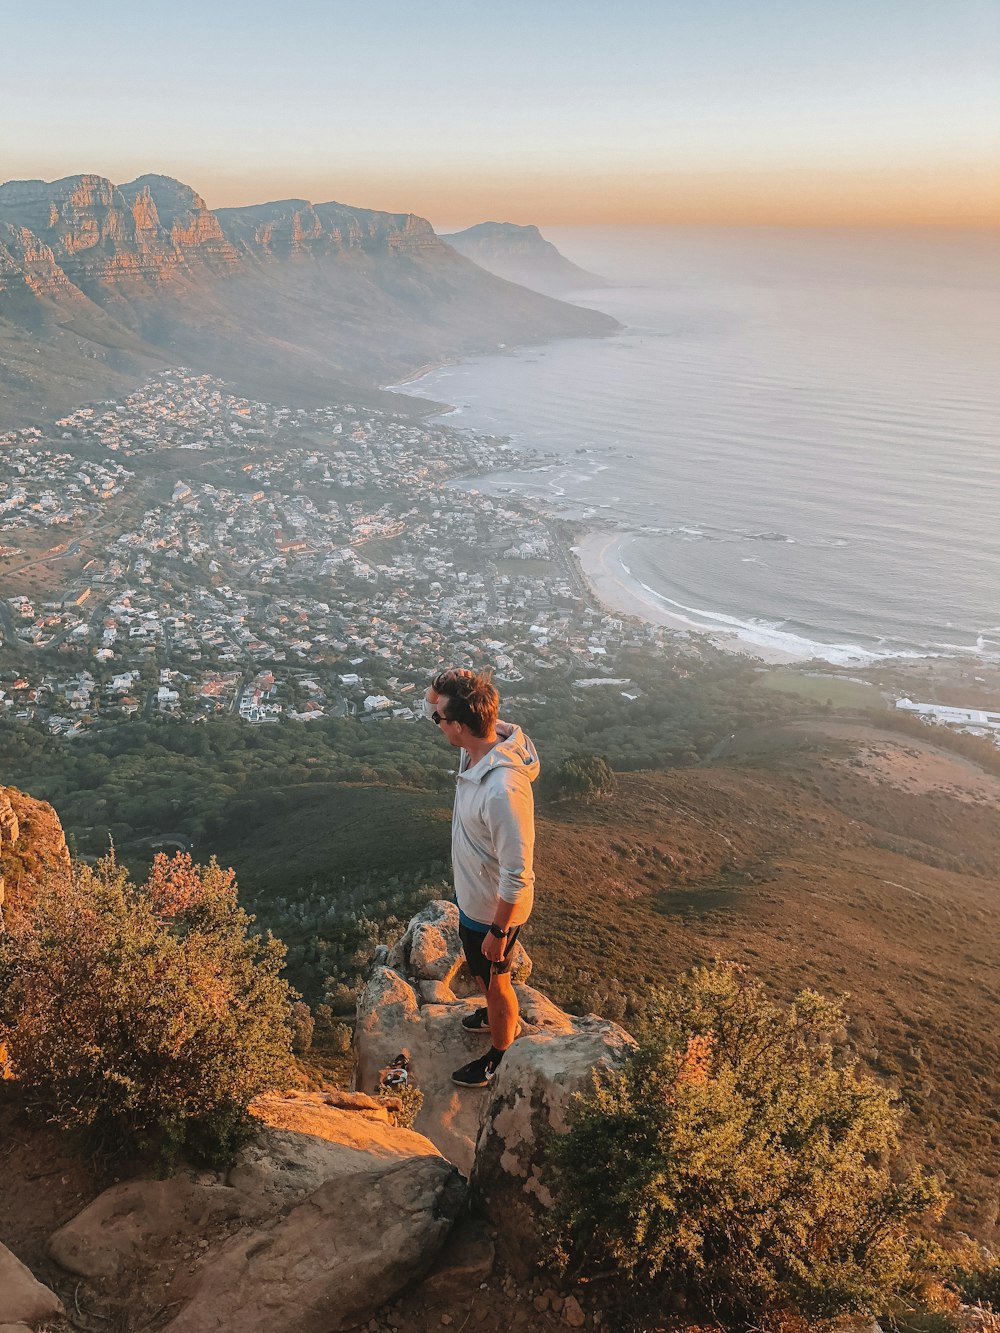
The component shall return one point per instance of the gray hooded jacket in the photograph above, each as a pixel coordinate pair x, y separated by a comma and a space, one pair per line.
493, 828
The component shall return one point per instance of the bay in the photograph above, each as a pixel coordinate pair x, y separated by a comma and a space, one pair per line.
795, 436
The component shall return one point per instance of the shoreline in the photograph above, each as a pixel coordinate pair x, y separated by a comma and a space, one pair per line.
419, 374
597, 556
621, 594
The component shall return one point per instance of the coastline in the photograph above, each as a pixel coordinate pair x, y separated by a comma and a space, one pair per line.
597, 554
419, 374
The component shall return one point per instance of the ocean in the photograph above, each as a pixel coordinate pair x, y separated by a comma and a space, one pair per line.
795, 437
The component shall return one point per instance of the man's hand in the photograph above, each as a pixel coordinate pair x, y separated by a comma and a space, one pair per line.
494, 949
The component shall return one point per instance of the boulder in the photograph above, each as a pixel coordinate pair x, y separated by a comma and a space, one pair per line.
303, 1143
391, 1020
414, 1002
142, 1224
23, 1299
397, 1014
430, 954
529, 1098
333, 1260
308, 1142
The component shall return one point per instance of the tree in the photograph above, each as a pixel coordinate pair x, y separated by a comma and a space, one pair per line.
148, 1014
739, 1159
580, 776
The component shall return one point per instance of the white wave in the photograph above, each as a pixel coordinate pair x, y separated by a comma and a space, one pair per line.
766, 634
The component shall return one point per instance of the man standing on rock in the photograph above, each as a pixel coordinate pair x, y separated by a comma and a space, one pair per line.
492, 847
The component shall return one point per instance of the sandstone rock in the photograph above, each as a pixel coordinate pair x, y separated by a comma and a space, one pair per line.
303, 1143
309, 1142
391, 1019
435, 992
531, 1095
431, 951
333, 1260
23, 1299
410, 1004
140, 1223
32, 844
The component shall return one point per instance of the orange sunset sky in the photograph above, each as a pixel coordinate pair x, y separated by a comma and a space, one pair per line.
819, 112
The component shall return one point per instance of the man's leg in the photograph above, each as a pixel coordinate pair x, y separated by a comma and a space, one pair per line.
501, 1005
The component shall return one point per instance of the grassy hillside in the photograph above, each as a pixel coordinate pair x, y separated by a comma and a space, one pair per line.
855, 864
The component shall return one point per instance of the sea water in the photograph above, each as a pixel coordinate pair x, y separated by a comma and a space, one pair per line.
796, 434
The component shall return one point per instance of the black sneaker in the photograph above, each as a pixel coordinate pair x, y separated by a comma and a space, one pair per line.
479, 1021
477, 1073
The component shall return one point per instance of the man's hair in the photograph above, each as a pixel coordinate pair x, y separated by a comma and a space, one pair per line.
472, 698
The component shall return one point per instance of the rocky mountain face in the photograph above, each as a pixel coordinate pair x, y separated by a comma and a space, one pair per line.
288, 300
522, 254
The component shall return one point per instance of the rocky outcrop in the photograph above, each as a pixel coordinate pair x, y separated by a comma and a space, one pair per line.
529, 1100
32, 844
327, 1213
28, 266
415, 1001
297, 229
305, 1140
105, 237
23, 1299
333, 1260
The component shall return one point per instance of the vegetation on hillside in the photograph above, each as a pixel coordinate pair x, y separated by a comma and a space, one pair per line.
740, 1160
136, 779
148, 1015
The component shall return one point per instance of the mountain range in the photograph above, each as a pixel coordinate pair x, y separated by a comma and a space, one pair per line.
101, 283
523, 255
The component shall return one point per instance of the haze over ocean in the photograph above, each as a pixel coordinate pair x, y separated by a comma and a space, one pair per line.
797, 433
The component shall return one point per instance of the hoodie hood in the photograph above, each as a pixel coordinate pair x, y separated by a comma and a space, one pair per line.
513, 750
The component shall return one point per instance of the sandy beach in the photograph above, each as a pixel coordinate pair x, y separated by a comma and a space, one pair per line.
599, 557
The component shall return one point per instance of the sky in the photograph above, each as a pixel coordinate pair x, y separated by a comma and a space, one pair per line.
820, 112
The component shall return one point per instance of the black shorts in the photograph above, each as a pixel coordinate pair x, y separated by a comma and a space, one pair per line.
479, 966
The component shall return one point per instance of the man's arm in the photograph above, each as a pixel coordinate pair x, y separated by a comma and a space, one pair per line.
510, 817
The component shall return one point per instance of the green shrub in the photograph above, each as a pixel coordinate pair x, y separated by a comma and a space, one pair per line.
303, 1027
149, 1015
580, 777
738, 1160
412, 1100
975, 1274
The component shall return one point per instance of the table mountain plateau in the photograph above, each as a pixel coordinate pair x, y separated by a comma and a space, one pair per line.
522, 254
100, 283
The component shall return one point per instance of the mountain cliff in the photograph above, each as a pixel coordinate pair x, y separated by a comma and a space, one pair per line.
522, 254
293, 300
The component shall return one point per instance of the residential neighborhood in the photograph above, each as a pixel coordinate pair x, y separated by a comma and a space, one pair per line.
218, 555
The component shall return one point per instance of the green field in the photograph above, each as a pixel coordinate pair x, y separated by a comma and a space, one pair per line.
834, 690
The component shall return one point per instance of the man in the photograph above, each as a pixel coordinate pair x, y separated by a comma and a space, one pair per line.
492, 846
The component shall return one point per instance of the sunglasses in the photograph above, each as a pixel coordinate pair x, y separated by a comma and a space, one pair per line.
433, 715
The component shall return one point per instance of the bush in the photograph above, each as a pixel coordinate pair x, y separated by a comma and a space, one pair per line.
149, 1015
738, 1161
580, 777
303, 1027
411, 1098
